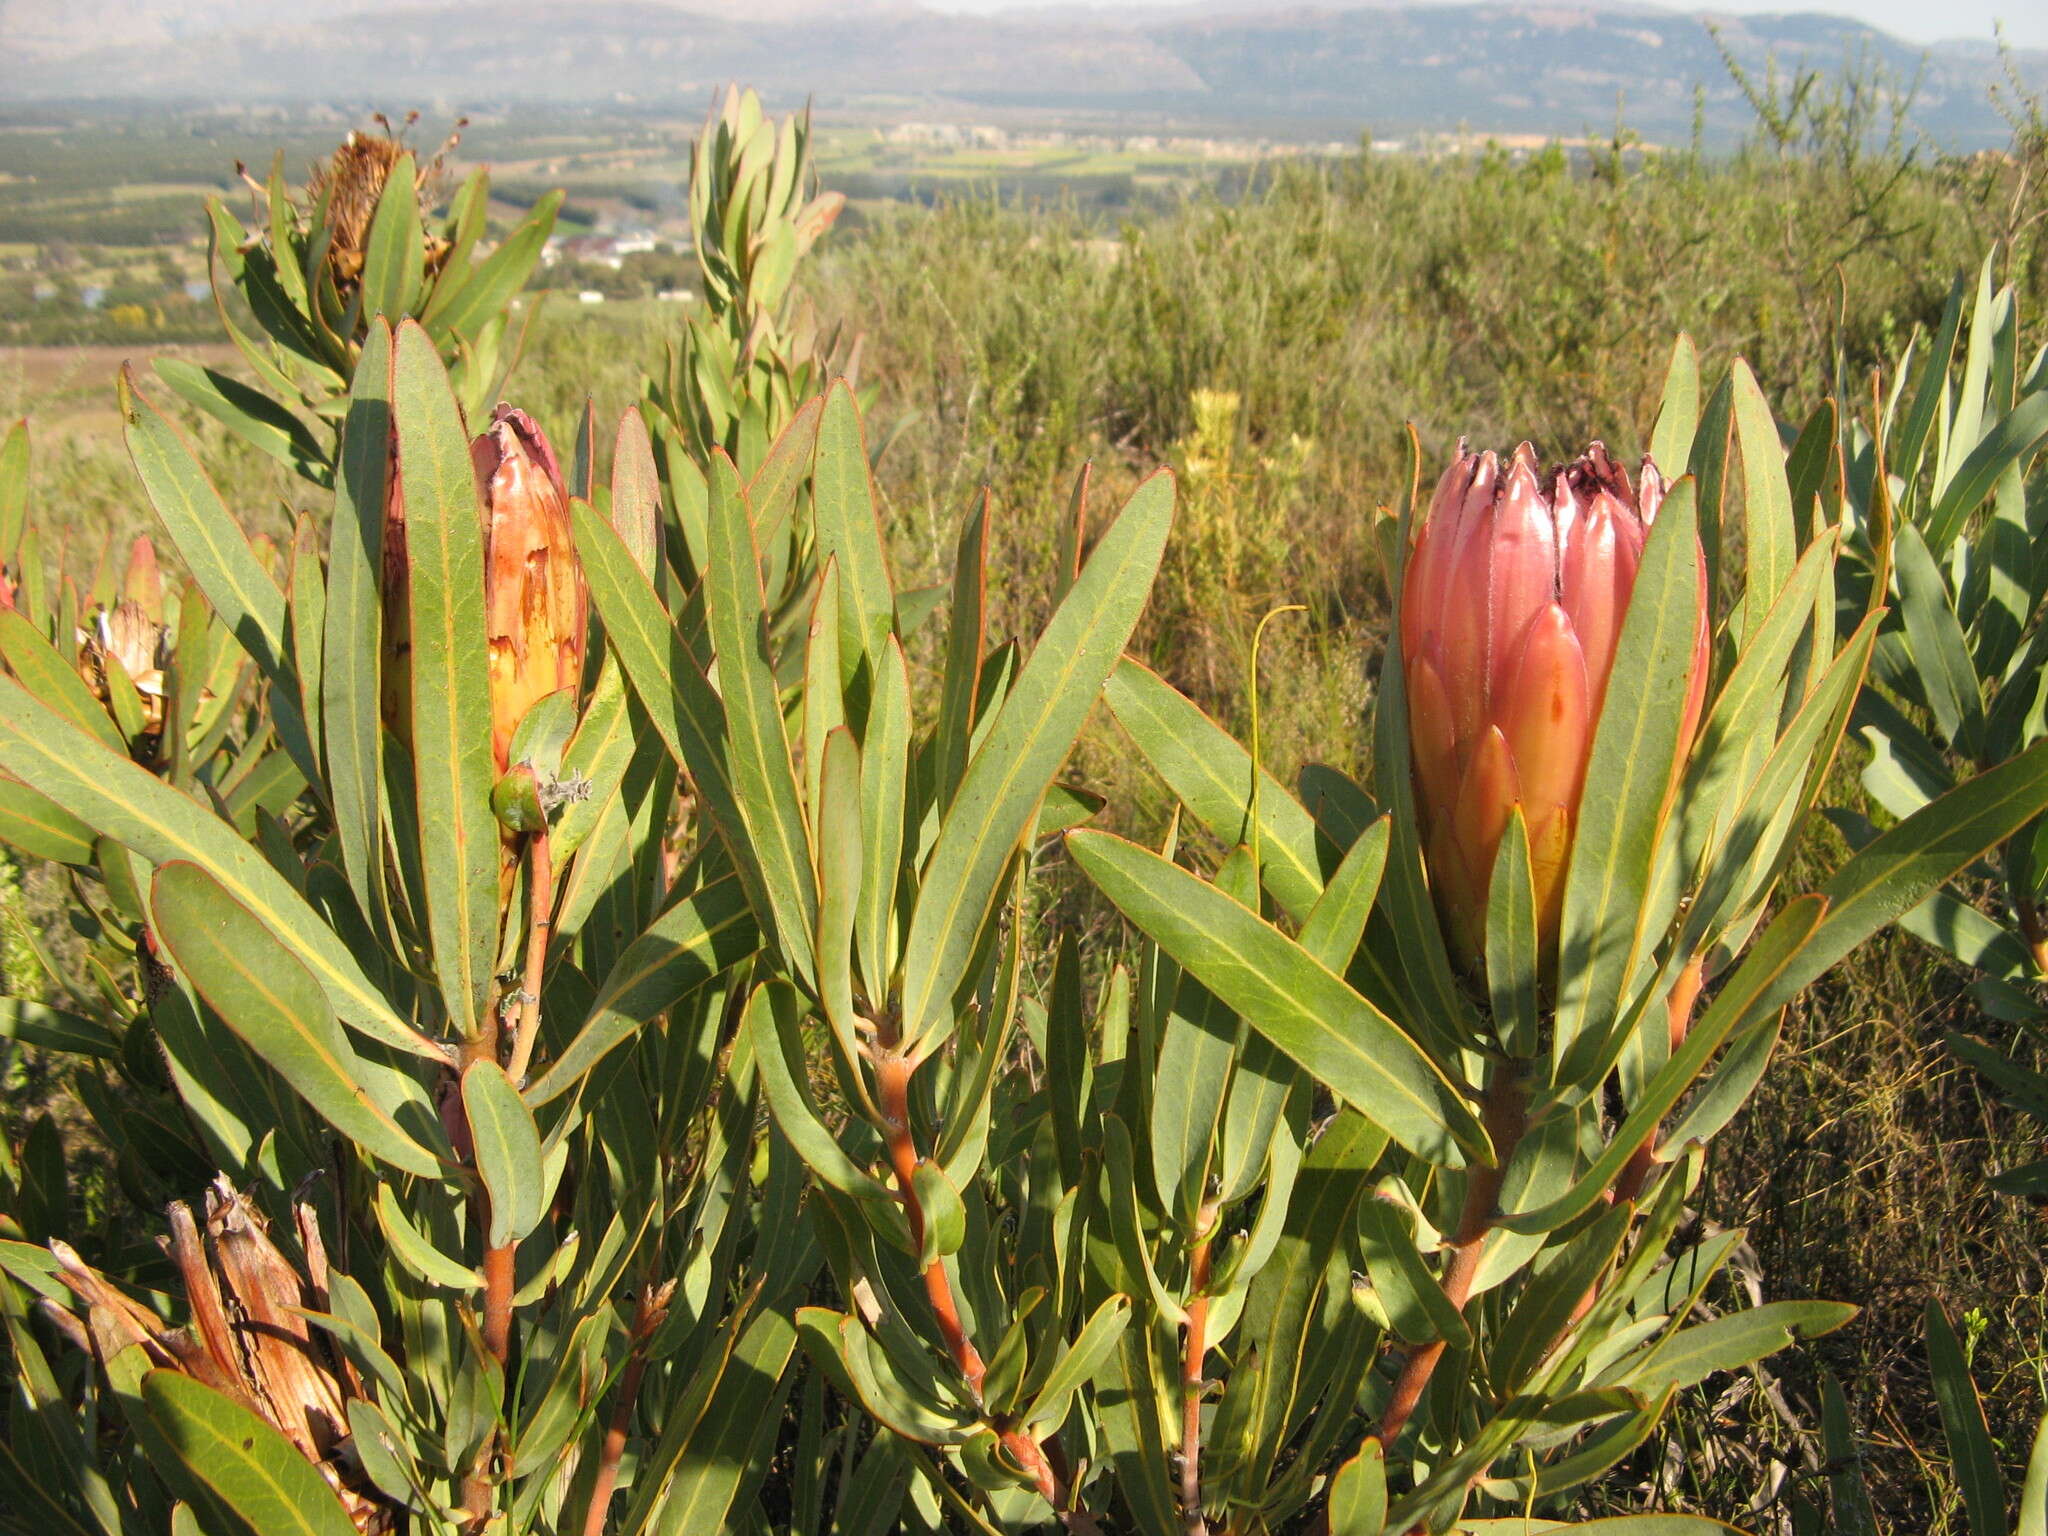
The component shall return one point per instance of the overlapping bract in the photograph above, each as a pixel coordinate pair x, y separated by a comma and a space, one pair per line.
1512, 610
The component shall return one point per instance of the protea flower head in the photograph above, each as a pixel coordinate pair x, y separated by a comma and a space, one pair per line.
1511, 612
536, 604
348, 185
247, 1338
132, 633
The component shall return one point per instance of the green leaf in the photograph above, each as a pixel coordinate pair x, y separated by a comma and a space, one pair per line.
2033, 1519
669, 681
2012, 441
1079, 1362
757, 749
451, 692
1894, 873
508, 1152
1734, 1340
250, 414
207, 537
394, 254
945, 1216
1358, 1493
1513, 956
351, 719
1768, 534
491, 287
771, 1017
255, 1471
412, 1249
715, 1441
14, 466
1935, 638
695, 938
1628, 780
54, 681
41, 828
884, 787
636, 491
1678, 413
1336, 923
131, 805
53, 1029
1971, 1451
1284, 993
964, 641
261, 991
1211, 773
848, 533
1031, 735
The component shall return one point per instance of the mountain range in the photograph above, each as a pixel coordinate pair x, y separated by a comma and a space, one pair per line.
1312, 69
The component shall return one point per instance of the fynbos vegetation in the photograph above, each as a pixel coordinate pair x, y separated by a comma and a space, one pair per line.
588, 993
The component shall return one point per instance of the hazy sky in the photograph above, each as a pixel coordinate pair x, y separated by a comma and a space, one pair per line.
1920, 21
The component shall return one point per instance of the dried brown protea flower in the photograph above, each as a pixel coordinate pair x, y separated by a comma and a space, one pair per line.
244, 1340
349, 183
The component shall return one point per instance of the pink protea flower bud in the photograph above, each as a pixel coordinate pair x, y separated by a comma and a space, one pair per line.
536, 603
1511, 613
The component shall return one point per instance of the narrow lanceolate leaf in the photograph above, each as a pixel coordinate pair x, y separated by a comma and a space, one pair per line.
2012, 441
491, 286
13, 486
964, 641
885, 762
1300, 1005
134, 807
207, 537
1628, 777
843, 505
507, 1151
1971, 1450
394, 256
256, 1472
757, 749
267, 997
41, 828
1895, 872
698, 936
451, 691
248, 413
670, 683
1205, 766
1934, 636
636, 490
839, 880
54, 680
1029, 739
351, 727
1678, 416
1768, 542
1513, 956
714, 1442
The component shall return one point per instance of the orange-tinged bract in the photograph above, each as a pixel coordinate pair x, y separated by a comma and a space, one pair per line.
1511, 613
536, 604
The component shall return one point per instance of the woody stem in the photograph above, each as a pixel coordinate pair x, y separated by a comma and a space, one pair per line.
1503, 1115
892, 1085
1191, 1378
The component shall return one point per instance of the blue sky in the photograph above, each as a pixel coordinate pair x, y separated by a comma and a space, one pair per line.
1920, 21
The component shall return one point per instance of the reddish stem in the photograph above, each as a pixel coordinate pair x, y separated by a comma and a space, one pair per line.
648, 1313
1503, 1115
1191, 1379
892, 1084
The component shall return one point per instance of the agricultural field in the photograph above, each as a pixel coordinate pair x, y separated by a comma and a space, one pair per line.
1281, 326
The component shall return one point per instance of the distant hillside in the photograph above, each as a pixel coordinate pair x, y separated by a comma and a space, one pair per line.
1329, 69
